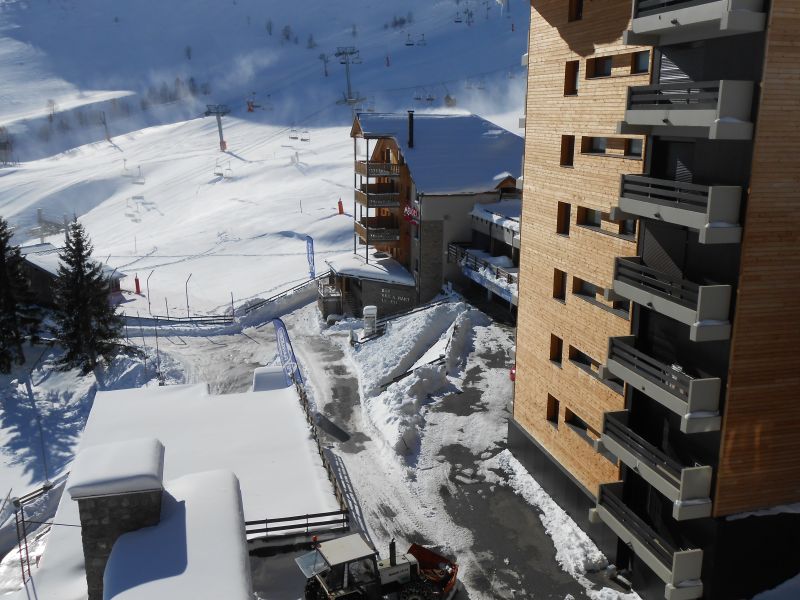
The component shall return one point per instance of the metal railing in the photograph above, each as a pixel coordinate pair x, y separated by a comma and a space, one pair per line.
665, 192
632, 272
636, 444
643, 8
459, 253
250, 308
311, 523
664, 376
656, 544
691, 95
377, 169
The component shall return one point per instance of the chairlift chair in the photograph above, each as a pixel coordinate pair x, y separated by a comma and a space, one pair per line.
126, 172
417, 94
293, 134
421, 41
305, 136
139, 179
458, 18
228, 171
409, 41
481, 85
430, 98
468, 85
218, 170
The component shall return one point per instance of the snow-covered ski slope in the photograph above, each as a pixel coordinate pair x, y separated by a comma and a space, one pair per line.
242, 232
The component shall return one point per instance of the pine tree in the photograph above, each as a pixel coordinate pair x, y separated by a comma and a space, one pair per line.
87, 326
19, 318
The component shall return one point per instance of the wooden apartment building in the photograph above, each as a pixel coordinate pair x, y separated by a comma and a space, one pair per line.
657, 392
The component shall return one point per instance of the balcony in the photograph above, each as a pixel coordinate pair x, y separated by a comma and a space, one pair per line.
712, 211
718, 110
477, 265
694, 399
378, 196
664, 22
376, 169
704, 308
689, 488
378, 230
679, 569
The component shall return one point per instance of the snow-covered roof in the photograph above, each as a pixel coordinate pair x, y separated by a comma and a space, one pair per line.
117, 468
262, 437
381, 267
506, 213
197, 550
50, 262
452, 154
37, 248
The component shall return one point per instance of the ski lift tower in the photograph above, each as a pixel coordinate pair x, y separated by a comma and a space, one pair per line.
348, 55
219, 111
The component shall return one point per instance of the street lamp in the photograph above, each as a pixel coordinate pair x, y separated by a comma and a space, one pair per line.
187, 294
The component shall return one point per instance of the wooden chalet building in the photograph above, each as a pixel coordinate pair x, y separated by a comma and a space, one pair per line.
417, 179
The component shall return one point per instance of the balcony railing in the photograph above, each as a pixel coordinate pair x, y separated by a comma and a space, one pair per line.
377, 231
704, 308
376, 169
500, 281
716, 109
378, 199
694, 399
689, 488
664, 22
680, 570
711, 210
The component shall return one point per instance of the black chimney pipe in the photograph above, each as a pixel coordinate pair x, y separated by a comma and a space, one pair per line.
392, 553
411, 129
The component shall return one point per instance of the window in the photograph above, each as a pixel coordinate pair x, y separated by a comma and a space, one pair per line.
589, 217
559, 285
571, 77
583, 361
575, 10
594, 145
598, 67
567, 150
633, 148
640, 62
562, 218
627, 227
584, 288
580, 426
621, 305
552, 411
556, 349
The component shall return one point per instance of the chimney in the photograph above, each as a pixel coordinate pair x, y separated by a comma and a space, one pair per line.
411, 129
118, 488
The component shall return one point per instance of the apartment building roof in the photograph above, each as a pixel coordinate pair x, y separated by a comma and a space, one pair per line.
451, 154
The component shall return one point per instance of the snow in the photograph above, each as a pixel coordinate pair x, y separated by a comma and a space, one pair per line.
505, 213
49, 262
263, 437
381, 267
268, 378
198, 549
117, 468
484, 150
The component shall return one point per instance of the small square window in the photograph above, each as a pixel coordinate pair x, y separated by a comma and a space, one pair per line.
598, 67
559, 285
580, 426
575, 10
567, 150
556, 349
563, 218
633, 148
552, 410
571, 77
627, 227
589, 217
640, 62
594, 145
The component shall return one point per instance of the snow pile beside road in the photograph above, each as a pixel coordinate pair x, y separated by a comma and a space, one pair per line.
400, 371
575, 551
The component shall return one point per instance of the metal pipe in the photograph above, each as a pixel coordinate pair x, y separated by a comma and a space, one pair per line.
147, 283
186, 288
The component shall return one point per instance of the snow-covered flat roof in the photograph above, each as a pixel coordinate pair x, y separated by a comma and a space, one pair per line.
381, 267
506, 213
452, 154
262, 437
117, 468
37, 248
198, 549
49, 262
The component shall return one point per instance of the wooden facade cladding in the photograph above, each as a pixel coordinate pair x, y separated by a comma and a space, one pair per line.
591, 182
760, 453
